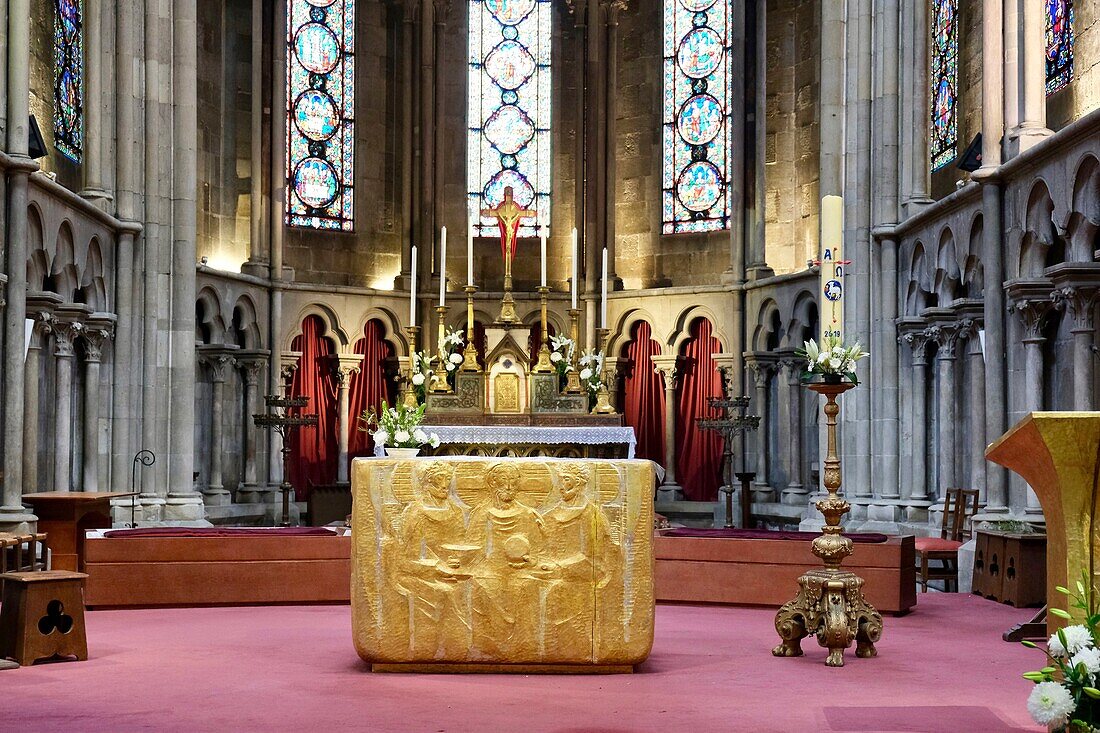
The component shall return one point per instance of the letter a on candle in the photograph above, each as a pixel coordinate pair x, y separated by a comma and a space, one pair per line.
832, 268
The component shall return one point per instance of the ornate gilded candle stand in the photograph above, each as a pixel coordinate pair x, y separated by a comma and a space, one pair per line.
408, 397
544, 364
279, 419
830, 603
573, 376
736, 422
469, 354
603, 395
440, 383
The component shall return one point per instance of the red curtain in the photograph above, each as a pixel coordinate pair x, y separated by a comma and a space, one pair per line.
534, 341
479, 341
643, 394
313, 451
370, 387
698, 452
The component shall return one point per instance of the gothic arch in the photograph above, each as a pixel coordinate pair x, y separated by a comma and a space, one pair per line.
769, 327
393, 332
947, 278
38, 261
1083, 221
339, 338
973, 274
683, 328
63, 271
92, 287
1038, 231
624, 327
804, 320
209, 323
244, 326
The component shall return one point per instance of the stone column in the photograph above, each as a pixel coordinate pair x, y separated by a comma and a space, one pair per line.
344, 365
42, 327
1080, 303
219, 363
65, 334
886, 425
1032, 126
251, 365
610, 114
12, 513
917, 498
796, 492
976, 426
257, 256
761, 370
94, 336
1032, 303
94, 130
946, 337
669, 489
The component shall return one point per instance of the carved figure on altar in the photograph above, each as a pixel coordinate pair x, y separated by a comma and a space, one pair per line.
508, 215
579, 541
507, 582
436, 557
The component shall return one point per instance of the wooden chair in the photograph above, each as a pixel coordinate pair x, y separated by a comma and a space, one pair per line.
958, 507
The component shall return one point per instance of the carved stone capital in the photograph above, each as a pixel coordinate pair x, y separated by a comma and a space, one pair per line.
668, 367
946, 336
251, 365
65, 334
1079, 302
94, 337
917, 341
219, 363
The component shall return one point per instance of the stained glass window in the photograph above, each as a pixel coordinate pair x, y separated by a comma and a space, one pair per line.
697, 145
68, 78
508, 142
320, 106
1059, 44
944, 84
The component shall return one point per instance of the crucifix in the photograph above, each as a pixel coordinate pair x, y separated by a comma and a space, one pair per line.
508, 215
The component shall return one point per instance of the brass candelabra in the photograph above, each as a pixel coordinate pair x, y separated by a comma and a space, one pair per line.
603, 395
469, 354
830, 601
736, 422
408, 398
439, 375
573, 377
544, 364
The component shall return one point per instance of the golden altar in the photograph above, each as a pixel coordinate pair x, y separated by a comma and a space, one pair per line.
490, 564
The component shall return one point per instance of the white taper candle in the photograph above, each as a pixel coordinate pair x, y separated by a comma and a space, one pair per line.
603, 305
470, 255
442, 266
543, 238
412, 291
575, 258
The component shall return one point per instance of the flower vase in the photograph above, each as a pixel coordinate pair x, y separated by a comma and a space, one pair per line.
833, 378
402, 452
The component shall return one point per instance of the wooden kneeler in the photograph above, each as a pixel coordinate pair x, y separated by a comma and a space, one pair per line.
43, 616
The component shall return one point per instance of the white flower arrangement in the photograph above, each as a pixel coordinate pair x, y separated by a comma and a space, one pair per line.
591, 374
562, 349
422, 374
398, 427
1065, 697
832, 358
449, 350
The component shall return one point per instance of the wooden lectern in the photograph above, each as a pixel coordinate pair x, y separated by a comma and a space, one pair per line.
1058, 453
65, 515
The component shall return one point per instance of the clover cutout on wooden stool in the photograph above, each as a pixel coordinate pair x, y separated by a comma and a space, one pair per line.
55, 618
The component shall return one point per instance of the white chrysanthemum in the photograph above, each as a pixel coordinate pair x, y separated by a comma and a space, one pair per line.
1090, 657
433, 440
555, 357
418, 379
586, 373
823, 357
450, 367
380, 437
1050, 704
401, 436
420, 436
1077, 638
456, 358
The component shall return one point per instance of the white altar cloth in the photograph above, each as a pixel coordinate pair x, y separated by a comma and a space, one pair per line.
530, 434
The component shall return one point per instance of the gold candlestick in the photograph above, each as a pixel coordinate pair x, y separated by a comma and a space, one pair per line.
439, 383
573, 377
507, 304
830, 601
603, 396
409, 397
469, 354
544, 364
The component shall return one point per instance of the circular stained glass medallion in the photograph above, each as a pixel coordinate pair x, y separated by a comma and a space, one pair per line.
509, 129
522, 192
700, 119
315, 182
697, 6
699, 186
315, 115
317, 48
509, 65
510, 12
700, 53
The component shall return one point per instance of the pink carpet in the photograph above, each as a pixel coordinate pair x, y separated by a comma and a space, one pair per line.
293, 668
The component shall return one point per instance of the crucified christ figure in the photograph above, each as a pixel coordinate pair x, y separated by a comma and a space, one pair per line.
508, 215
